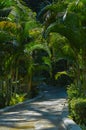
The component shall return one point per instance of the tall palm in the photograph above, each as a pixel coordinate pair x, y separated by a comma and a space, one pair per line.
21, 21
25, 19
69, 20
13, 37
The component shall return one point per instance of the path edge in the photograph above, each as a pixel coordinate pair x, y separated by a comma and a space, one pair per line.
40, 95
70, 124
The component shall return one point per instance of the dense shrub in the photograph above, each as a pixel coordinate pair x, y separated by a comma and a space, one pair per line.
73, 92
78, 110
77, 104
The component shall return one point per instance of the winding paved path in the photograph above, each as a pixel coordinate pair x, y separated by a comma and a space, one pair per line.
45, 113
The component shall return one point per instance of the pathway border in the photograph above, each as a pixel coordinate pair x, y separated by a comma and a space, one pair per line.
40, 95
70, 124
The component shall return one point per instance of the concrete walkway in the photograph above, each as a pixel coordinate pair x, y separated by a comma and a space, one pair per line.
45, 113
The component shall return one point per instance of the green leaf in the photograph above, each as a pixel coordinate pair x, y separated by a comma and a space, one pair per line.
47, 61
58, 74
33, 46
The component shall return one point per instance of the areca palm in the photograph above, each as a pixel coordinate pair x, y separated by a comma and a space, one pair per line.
70, 21
26, 23
19, 61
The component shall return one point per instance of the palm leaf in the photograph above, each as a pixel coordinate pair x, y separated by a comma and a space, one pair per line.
5, 37
59, 74
5, 12
47, 61
74, 36
32, 46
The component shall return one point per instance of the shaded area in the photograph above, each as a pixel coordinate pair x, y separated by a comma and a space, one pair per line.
45, 113
37, 5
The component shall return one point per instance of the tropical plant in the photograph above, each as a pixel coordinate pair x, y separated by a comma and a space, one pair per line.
68, 19
19, 40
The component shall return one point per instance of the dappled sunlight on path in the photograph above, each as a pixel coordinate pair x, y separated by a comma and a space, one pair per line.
45, 113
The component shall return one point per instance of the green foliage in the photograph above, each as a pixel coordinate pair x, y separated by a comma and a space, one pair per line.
32, 46
68, 18
78, 108
73, 92
60, 74
77, 104
47, 61
28, 58
20, 38
4, 36
17, 98
69, 23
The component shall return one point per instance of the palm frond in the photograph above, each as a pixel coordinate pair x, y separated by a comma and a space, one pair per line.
59, 74
5, 37
5, 12
47, 61
32, 46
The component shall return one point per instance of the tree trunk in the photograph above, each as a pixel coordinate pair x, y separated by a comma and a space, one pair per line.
30, 83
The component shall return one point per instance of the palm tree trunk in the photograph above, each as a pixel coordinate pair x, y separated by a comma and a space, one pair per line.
84, 74
30, 83
16, 80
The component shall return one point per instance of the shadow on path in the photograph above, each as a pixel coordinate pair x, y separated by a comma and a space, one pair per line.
45, 113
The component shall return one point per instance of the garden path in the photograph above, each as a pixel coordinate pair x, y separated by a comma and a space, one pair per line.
45, 113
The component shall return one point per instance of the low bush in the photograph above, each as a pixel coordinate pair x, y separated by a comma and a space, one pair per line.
73, 92
77, 105
16, 98
78, 110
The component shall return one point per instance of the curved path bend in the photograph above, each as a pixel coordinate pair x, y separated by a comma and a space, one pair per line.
45, 113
